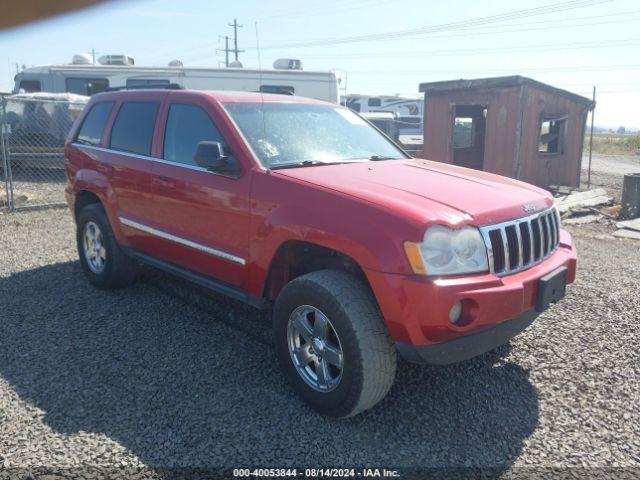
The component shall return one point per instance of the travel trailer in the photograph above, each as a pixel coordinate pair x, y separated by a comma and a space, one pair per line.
384, 103
83, 77
407, 110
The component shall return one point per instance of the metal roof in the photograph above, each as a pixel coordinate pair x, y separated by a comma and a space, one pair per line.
499, 83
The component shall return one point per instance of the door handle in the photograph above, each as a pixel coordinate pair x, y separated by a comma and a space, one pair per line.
104, 168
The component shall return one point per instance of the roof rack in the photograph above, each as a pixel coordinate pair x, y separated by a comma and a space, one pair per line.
152, 86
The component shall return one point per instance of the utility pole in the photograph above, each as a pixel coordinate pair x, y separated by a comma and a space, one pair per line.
235, 38
593, 111
93, 55
226, 49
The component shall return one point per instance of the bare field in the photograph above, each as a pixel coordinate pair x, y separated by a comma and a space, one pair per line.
613, 144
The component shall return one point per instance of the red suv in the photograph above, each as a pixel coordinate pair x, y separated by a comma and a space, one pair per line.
303, 207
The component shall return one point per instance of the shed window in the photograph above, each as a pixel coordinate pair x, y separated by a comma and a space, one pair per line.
552, 133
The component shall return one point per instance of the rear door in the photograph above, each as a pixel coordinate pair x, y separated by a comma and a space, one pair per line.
127, 161
202, 218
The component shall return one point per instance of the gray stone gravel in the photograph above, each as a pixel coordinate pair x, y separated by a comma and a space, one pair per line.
165, 375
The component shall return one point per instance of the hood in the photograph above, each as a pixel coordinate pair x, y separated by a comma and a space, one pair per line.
429, 191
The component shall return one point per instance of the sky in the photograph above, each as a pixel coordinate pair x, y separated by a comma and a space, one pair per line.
378, 46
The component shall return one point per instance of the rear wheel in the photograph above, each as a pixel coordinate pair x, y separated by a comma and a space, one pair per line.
332, 343
102, 260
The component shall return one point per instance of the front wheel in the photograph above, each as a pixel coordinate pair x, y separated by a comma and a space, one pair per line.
332, 343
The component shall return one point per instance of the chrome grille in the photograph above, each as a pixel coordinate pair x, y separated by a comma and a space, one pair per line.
519, 244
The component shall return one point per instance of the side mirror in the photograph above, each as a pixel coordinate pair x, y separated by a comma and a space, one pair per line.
210, 155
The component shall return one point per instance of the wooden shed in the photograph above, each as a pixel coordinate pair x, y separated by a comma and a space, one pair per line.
512, 126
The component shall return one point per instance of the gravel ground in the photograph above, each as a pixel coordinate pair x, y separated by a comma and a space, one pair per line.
164, 375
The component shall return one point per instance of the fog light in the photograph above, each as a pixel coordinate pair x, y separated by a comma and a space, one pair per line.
455, 312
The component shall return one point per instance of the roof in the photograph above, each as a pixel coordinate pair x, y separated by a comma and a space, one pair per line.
499, 83
222, 96
161, 70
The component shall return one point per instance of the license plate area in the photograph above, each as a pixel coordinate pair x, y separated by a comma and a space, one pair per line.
551, 288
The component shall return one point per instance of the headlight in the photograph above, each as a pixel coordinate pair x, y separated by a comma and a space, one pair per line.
445, 251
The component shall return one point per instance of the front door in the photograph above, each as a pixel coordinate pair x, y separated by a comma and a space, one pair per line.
202, 218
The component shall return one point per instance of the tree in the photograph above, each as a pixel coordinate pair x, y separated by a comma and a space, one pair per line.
621, 130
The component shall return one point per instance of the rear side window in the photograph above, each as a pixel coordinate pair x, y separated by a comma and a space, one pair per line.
133, 129
186, 126
93, 125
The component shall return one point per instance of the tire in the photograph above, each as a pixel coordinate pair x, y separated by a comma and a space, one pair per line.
117, 269
368, 354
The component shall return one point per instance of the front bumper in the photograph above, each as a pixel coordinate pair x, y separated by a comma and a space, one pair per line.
416, 308
468, 346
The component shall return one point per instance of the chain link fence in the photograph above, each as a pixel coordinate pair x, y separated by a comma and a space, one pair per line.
32, 135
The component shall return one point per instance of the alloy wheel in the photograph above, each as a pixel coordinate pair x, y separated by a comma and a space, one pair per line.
93, 247
315, 348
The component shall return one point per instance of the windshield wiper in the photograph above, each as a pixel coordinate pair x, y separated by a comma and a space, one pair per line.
304, 163
315, 163
378, 158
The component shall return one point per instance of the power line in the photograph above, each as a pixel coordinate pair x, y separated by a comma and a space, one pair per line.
628, 42
581, 68
494, 32
545, 28
483, 51
475, 31
551, 8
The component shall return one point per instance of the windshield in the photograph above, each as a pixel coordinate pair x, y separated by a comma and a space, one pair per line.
300, 134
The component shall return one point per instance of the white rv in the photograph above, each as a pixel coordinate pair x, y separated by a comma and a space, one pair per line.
82, 77
408, 110
400, 105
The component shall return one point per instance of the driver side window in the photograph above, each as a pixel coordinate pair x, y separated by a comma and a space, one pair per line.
187, 125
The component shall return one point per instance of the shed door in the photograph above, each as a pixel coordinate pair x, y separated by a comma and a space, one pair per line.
469, 126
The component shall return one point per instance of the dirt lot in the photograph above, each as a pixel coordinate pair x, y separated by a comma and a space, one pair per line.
164, 375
